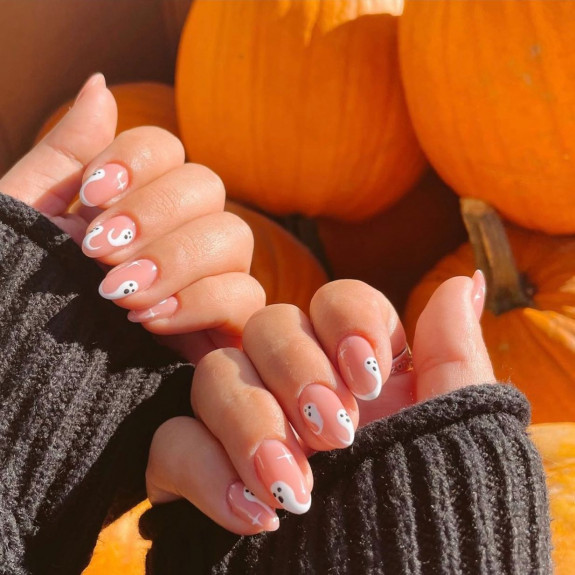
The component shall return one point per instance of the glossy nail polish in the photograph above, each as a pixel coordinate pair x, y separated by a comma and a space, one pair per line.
279, 472
248, 507
162, 310
324, 414
478, 292
128, 279
104, 184
109, 236
359, 368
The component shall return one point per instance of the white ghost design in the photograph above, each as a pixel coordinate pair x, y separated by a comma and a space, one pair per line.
97, 175
123, 238
314, 416
345, 421
251, 497
90, 236
123, 290
371, 366
286, 498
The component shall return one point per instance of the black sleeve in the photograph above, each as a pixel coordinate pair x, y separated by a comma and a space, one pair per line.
82, 391
450, 486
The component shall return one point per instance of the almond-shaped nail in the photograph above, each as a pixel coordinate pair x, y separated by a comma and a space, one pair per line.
359, 368
104, 184
109, 236
97, 78
324, 414
128, 279
162, 310
279, 472
248, 507
478, 293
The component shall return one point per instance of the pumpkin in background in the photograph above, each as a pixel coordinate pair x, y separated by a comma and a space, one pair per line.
298, 104
393, 250
139, 104
491, 92
285, 267
529, 320
556, 444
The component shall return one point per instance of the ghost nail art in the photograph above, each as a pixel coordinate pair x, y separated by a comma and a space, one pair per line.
128, 279
107, 237
280, 473
359, 368
248, 507
325, 416
102, 185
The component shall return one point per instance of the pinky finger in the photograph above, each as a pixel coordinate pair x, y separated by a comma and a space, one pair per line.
187, 461
221, 303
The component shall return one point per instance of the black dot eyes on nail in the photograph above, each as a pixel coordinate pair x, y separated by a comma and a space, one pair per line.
126, 291
281, 499
279, 489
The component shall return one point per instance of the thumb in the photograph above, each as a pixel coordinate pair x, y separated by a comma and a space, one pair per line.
448, 348
49, 176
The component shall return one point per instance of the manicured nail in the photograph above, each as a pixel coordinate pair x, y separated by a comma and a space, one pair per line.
359, 368
248, 507
107, 237
478, 293
94, 79
161, 310
104, 184
279, 472
324, 414
128, 279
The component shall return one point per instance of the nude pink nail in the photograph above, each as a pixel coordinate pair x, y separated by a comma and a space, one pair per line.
478, 293
324, 414
279, 472
248, 507
359, 368
109, 236
104, 184
161, 310
128, 279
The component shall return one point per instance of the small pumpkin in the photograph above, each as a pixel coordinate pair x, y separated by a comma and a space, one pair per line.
298, 104
556, 444
529, 321
139, 104
491, 91
392, 250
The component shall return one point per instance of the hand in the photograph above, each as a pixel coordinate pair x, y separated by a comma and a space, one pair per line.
240, 459
181, 263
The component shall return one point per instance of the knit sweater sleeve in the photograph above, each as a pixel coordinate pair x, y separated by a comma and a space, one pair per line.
450, 486
81, 392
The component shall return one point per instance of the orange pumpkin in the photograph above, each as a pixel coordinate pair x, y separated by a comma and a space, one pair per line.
529, 321
556, 444
491, 91
285, 267
393, 250
139, 104
298, 104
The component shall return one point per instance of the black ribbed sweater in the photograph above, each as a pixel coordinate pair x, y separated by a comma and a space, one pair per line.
453, 485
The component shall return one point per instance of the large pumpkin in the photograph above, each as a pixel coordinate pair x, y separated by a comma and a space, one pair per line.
297, 104
529, 323
490, 87
393, 250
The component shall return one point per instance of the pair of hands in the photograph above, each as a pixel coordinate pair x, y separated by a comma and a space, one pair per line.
271, 385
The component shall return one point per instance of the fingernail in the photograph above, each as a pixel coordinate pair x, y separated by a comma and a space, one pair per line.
279, 472
91, 81
128, 279
324, 414
248, 507
478, 293
359, 368
107, 237
104, 184
161, 310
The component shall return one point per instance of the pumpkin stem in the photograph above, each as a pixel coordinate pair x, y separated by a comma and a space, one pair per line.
506, 287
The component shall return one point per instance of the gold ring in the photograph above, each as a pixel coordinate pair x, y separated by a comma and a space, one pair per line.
402, 363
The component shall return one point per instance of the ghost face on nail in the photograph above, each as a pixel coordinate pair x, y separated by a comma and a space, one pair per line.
108, 237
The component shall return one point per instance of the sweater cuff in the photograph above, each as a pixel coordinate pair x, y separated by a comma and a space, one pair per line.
452, 485
82, 392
